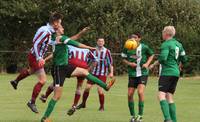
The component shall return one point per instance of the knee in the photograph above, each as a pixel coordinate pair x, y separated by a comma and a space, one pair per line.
140, 93
162, 96
100, 91
130, 95
87, 89
57, 97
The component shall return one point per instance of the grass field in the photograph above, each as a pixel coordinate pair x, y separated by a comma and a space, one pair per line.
13, 103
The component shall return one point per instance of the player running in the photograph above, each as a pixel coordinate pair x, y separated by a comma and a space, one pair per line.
170, 54
101, 70
62, 70
80, 58
36, 62
138, 62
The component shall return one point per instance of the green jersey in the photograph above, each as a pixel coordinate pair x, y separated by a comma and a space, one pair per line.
171, 54
60, 54
140, 57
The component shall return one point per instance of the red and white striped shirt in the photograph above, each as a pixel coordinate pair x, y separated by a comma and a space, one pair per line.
104, 61
41, 41
80, 54
80, 57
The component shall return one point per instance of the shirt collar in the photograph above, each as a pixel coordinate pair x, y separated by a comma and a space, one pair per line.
101, 48
51, 29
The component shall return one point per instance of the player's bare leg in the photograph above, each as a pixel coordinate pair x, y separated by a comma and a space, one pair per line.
101, 98
84, 73
131, 92
41, 75
141, 88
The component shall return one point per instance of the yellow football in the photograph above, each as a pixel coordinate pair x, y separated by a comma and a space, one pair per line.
131, 44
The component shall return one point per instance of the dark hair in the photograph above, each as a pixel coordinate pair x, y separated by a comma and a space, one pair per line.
100, 37
55, 16
138, 35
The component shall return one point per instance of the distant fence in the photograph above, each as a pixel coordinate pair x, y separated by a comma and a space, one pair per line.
13, 61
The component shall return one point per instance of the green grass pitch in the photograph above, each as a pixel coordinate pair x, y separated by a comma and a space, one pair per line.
13, 103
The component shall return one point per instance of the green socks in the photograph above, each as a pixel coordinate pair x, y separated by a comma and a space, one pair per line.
165, 109
50, 108
141, 107
97, 81
172, 110
131, 108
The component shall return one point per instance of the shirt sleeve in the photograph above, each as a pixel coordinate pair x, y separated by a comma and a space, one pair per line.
183, 57
164, 53
67, 40
150, 51
124, 53
109, 57
37, 41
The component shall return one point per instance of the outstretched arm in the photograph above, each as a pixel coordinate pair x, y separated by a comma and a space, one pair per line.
79, 35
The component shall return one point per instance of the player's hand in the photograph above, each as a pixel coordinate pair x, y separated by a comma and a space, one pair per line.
58, 40
41, 62
110, 75
86, 29
145, 66
93, 48
133, 65
151, 67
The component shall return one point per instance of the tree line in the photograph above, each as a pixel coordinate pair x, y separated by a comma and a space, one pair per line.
112, 19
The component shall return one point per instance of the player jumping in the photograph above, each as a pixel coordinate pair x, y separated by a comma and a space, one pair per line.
80, 58
138, 62
104, 65
62, 70
36, 62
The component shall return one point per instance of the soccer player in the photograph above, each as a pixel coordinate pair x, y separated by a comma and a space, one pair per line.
101, 70
138, 62
36, 62
171, 53
62, 69
80, 58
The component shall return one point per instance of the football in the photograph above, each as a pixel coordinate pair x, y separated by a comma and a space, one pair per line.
131, 44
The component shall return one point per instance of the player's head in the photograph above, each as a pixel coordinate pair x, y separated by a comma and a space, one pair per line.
100, 42
168, 32
60, 30
136, 36
55, 20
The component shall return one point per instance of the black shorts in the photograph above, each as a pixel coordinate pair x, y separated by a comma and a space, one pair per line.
61, 72
135, 81
167, 84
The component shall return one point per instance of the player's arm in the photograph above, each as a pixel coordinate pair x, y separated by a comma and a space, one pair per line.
110, 61
36, 44
150, 58
124, 60
164, 53
48, 57
80, 34
156, 63
69, 41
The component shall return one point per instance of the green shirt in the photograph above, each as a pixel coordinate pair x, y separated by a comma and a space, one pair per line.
60, 54
171, 54
140, 57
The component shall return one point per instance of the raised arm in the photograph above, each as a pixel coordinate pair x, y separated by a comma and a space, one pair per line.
80, 34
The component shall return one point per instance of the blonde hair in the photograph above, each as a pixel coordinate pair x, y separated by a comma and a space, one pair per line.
170, 30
